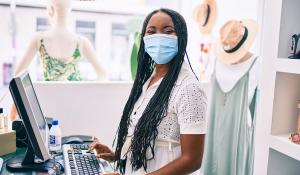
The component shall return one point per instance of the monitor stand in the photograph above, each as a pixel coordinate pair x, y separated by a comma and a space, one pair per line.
27, 162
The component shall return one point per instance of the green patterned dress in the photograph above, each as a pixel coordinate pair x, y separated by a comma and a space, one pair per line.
58, 70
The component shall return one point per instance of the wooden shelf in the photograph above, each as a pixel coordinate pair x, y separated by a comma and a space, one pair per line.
288, 65
281, 143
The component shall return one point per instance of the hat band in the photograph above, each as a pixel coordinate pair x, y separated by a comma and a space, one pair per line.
239, 45
207, 16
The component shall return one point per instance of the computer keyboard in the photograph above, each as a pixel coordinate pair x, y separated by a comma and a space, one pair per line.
78, 161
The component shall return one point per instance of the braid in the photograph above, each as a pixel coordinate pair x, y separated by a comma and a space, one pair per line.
146, 132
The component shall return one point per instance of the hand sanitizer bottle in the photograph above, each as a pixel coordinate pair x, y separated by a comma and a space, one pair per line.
55, 137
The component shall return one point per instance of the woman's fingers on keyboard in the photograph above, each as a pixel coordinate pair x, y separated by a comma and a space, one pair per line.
92, 146
106, 156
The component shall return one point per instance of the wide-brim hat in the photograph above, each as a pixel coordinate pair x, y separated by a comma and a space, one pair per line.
208, 8
233, 55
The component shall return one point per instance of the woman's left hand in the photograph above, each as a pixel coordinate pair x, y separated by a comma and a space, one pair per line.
13, 113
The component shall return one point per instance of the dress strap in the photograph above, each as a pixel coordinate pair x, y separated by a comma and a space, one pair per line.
78, 41
42, 40
255, 59
215, 67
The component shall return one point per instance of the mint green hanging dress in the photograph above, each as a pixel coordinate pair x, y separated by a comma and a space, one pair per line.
229, 139
59, 70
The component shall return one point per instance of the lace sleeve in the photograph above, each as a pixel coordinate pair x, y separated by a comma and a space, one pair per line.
191, 107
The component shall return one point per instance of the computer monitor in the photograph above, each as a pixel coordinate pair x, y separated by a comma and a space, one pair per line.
37, 155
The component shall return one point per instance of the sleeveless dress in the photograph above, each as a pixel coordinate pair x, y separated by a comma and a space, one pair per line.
229, 140
58, 70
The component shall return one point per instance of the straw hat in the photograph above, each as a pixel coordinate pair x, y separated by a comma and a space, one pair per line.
236, 38
205, 15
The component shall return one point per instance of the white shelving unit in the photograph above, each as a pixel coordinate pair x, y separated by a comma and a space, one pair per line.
282, 144
288, 65
277, 116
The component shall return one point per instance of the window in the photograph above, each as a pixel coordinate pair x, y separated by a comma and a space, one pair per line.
42, 24
119, 55
87, 29
173, 4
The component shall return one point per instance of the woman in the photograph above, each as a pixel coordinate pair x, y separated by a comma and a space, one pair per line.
163, 123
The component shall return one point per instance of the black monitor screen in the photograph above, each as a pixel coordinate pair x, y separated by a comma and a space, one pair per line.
29, 110
35, 107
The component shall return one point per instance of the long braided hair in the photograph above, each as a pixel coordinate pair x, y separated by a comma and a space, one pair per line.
146, 132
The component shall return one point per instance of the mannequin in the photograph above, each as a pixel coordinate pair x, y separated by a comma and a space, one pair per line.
205, 16
60, 42
229, 144
228, 73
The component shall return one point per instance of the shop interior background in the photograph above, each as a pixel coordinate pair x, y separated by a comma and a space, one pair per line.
109, 25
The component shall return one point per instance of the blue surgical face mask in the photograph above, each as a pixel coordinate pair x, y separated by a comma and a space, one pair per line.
162, 48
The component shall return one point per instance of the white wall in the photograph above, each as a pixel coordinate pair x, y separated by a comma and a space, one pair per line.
288, 27
85, 108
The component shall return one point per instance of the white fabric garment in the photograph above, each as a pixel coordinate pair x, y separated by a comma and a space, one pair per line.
228, 76
186, 114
